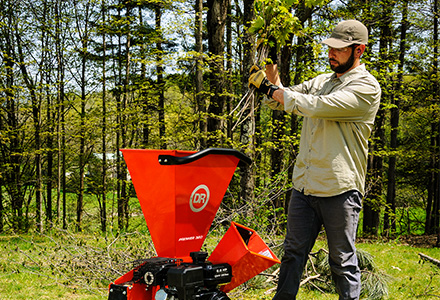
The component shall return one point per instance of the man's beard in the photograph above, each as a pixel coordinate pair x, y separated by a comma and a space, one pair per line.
342, 68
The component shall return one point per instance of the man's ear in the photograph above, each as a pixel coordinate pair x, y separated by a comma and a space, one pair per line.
360, 50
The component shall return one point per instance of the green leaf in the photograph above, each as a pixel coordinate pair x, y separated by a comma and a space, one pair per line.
256, 25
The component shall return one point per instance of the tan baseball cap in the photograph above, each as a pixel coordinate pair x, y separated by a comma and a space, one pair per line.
347, 33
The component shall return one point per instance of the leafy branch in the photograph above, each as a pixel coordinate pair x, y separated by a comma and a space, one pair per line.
274, 19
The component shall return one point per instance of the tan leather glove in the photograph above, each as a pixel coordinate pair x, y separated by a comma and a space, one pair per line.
258, 79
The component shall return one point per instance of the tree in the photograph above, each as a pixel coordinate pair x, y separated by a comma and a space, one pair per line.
374, 200
84, 17
390, 211
200, 97
160, 76
247, 134
103, 208
216, 20
435, 83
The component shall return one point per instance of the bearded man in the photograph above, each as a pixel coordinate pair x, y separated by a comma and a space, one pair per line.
338, 111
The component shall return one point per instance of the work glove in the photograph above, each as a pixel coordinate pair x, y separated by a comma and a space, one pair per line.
258, 79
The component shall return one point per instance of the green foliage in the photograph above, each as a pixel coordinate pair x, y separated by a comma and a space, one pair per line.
274, 18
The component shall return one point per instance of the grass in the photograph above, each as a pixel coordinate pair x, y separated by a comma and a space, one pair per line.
62, 265
412, 278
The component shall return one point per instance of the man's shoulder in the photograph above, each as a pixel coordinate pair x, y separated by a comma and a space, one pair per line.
361, 74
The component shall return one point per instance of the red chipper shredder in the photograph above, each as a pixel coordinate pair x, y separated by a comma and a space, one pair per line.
180, 193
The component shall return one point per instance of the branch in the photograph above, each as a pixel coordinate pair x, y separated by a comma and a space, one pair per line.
309, 278
430, 259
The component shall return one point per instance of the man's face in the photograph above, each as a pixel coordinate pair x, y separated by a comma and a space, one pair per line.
341, 59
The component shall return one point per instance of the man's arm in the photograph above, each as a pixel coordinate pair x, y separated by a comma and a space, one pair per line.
273, 74
278, 96
274, 77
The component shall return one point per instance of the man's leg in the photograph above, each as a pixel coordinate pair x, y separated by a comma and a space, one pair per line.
340, 216
303, 226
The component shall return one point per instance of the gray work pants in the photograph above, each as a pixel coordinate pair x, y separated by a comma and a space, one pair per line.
306, 215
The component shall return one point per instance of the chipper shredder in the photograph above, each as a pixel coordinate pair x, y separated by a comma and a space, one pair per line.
180, 193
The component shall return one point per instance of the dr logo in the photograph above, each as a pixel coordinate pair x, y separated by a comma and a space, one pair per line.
199, 198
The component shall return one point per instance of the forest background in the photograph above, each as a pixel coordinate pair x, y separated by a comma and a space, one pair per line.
81, 79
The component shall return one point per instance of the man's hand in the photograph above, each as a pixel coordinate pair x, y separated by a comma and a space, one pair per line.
258, 79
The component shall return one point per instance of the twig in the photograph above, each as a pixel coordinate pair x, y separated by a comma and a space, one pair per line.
269, 291
309, 278
247, 101
317, 287
274, 274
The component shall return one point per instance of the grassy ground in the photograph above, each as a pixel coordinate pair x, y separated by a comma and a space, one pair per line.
411, 277
80, 266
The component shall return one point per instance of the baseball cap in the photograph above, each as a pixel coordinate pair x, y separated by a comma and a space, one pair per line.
347, 33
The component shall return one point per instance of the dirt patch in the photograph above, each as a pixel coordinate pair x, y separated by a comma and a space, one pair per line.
419, 241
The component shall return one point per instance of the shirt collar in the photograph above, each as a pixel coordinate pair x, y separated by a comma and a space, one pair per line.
352, 73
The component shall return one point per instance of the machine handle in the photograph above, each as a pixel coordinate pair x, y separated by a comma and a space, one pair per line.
174, 160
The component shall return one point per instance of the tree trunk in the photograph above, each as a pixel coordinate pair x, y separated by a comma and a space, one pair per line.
247, 181
160, 81
61, 133
120, 133
229, 72
82, 155
62, 151
50, 153
36, 107
50, 133
144, 95
82, 150
12, 155
373, 203
59, 101
217, 13
124, 194
390, 212
436, 200
432, 207
103, 212
200, 97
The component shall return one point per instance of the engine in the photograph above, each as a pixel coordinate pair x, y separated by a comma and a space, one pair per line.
178, 280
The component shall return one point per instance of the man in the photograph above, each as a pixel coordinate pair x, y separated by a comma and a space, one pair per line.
329, 175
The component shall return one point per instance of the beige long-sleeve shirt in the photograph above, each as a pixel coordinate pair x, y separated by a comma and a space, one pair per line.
338, 119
